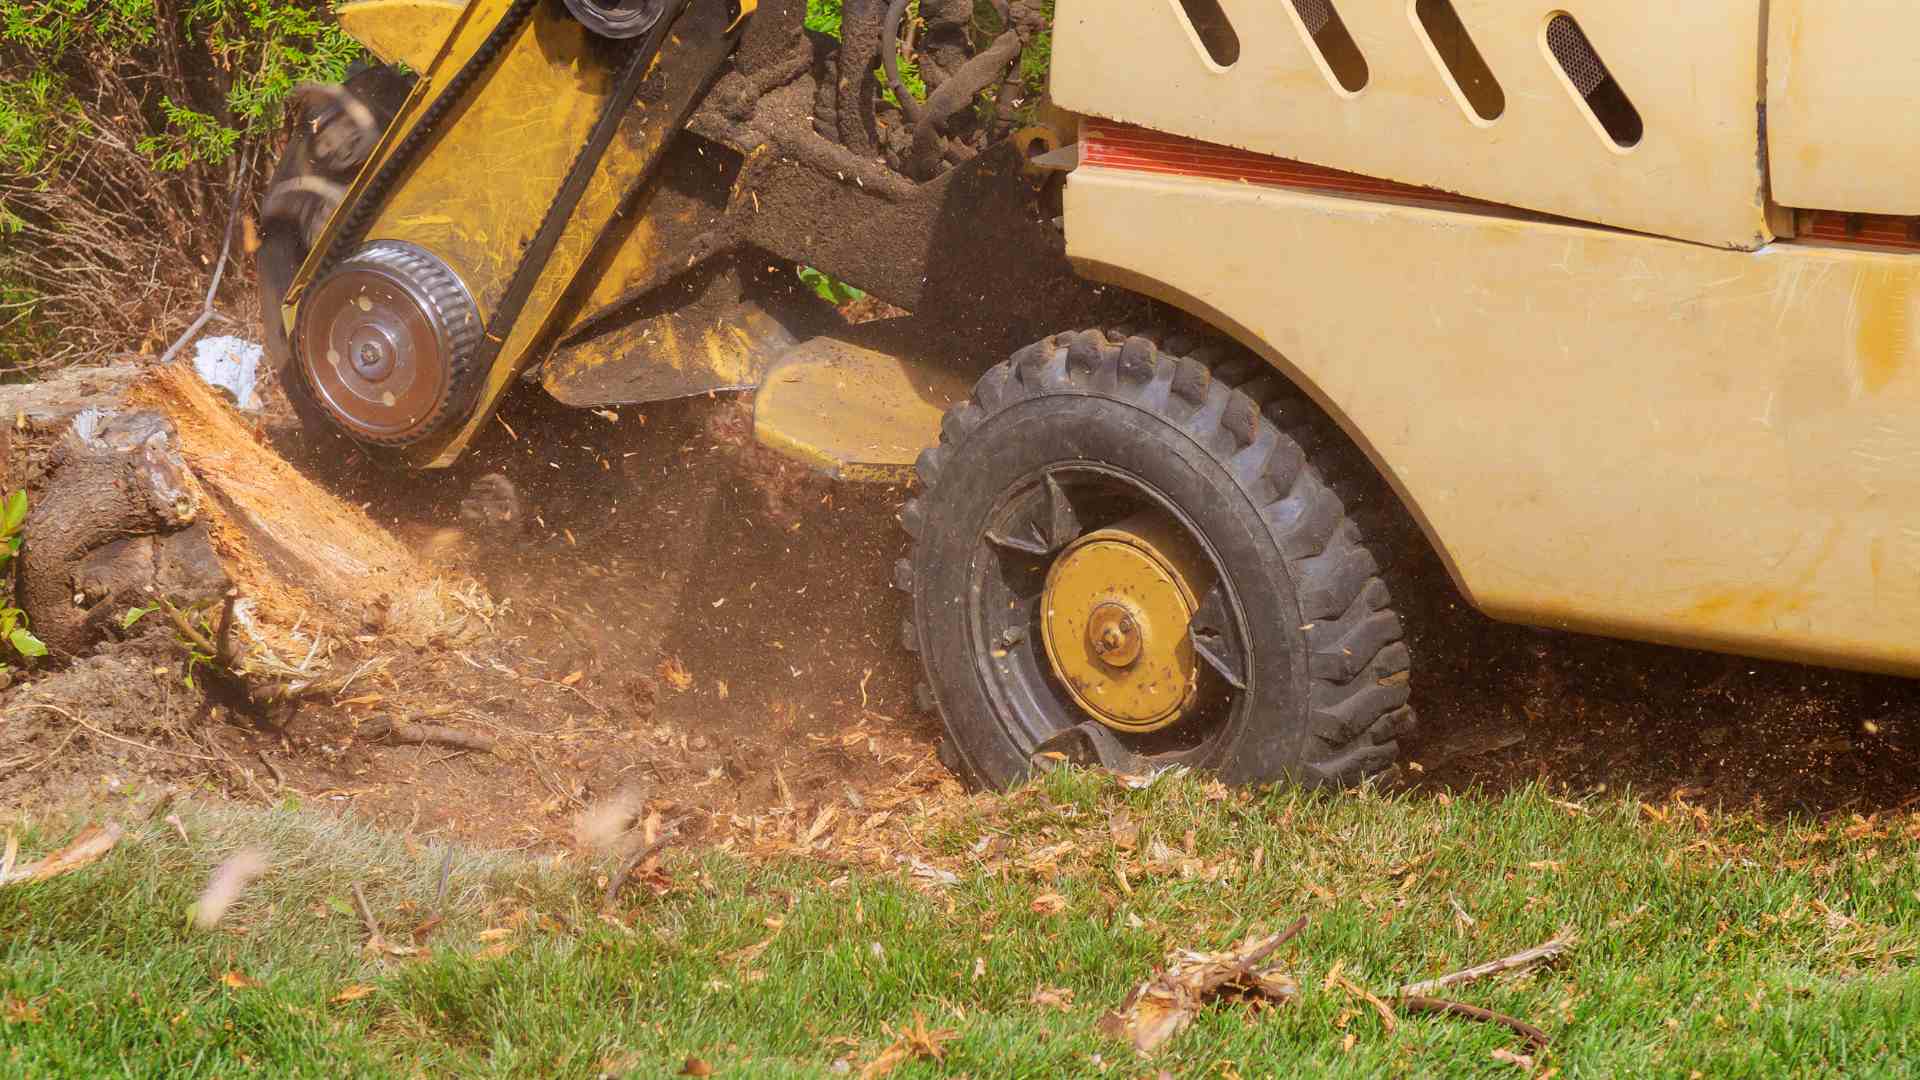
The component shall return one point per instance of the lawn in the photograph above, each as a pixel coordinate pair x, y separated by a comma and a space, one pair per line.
993, 931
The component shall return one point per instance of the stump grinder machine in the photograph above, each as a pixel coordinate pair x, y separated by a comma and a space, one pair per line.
1611, 300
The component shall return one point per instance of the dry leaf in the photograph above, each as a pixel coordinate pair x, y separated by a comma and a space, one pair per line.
351, 993
496, 950
676, 674
889, 1058
85, 850
1124, 830
914, 1041
1048, 904
572, 677
238, 981
363, 699
225, 884
1386, 1013
494, 934
1052, 997
21, 1011
930, 874
696, 1067
820, 824
1545, 864
1511, 1058
1163, 1006
751, 953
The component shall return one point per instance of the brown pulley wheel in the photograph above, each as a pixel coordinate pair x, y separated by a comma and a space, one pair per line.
386, 342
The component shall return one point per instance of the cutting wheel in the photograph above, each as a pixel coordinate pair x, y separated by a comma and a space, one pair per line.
386, 342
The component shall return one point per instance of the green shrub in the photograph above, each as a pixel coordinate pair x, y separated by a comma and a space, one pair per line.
823, 16
14, 634
122, 124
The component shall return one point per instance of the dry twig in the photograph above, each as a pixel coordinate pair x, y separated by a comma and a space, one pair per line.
1474, 1012
222, 642
374, 937
633, 862
116, 738
1519, 961
220, 269
399, 731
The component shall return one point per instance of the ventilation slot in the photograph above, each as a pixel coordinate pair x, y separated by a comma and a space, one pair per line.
1215, 32
1604, 98
1330, 38
1466, 69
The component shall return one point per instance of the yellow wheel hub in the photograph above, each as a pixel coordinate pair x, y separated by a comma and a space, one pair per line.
1114, 618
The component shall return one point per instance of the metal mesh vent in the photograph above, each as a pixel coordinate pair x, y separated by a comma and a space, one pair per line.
1315, 13
1575, 53
1328, 36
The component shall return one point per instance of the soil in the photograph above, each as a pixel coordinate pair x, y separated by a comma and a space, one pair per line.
679, 614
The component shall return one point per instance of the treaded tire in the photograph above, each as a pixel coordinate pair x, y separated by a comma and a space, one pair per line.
1219, 434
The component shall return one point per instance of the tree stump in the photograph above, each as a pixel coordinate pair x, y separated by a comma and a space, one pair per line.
114, 525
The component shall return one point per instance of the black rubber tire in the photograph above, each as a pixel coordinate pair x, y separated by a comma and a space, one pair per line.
283, 249
1219, 434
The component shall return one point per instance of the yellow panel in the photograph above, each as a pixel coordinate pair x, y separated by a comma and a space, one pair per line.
1692, 70
406, 32
1841, 125
481, 192
850, 411
1601, 431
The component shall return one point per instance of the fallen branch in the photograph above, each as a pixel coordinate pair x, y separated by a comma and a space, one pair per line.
398, 731
279, 777
1519, 961
633, 862
1526, 1031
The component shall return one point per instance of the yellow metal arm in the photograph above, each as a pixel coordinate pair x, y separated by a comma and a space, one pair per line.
406, 32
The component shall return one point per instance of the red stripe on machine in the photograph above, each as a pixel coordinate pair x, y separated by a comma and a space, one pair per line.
1138, 149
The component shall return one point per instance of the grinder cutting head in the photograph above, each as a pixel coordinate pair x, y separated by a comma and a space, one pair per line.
386, 341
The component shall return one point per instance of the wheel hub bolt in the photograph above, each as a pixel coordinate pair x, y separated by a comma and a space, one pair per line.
1113, 633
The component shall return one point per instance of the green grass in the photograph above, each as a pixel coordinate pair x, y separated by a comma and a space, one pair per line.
1725, 945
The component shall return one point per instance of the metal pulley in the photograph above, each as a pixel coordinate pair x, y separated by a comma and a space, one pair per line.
618, 18
386, 343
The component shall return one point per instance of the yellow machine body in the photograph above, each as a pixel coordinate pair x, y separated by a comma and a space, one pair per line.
1617, 402
481, 192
